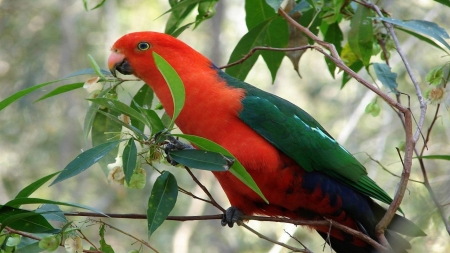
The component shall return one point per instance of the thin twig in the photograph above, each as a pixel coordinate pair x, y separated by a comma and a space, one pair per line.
294, 238
87, 240
390, 172
425, 174
294, 249
213, 201
125, 233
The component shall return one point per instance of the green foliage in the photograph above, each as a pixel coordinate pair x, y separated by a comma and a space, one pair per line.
360, 36
386, 76
201, 159
237, 169
129, 157
162, 200
421, 27
104, 247
85, 160
175, 85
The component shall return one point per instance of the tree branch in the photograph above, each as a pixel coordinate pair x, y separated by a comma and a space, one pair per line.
410, 142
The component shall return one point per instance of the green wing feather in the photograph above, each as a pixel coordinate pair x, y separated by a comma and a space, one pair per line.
302, 138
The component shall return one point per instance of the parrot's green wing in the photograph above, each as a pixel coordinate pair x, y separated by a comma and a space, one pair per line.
302, 138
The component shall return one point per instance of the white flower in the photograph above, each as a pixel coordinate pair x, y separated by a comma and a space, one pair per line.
73, 245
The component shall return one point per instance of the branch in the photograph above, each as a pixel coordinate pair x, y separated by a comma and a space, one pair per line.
212, 200
410, 142
245, 57
425, 174
334, 224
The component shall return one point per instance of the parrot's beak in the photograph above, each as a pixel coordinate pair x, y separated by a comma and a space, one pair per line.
117, 61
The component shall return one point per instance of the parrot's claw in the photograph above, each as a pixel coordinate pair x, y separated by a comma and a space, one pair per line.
171, 143
231, 216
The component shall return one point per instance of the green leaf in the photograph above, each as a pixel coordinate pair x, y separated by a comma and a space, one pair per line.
423, 27
175, 84
435, 76
177, 17
444, 2
85, 160
423, 38
360, 36
301, 7
51, 212
99, 5
257, 11
87, 71
91, 114
96, 67
28, 245
129, 158
7, 101
162, 200
237, 169
119, 107
61, 89
23, 220
356, 66
275, 4
153, 119
180, 30
201, 159
104, 247
182, 4
277, 36
143, 98
437, 157
27, 191
386, 77
85, 5
105, 128
114, 118
25, 201
272, 32
334, 36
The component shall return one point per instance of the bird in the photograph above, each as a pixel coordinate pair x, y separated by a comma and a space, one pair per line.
303, 172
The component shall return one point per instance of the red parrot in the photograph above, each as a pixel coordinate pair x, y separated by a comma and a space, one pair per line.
301, 170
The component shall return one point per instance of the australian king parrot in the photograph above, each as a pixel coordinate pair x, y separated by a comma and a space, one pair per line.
299, 167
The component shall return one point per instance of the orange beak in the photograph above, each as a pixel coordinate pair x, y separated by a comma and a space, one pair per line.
117, 61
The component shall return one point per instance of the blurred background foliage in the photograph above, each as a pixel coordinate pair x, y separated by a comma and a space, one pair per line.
42, 41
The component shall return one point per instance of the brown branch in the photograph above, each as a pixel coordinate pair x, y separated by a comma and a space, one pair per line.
245, 57
334, 56
213, 201
334, 224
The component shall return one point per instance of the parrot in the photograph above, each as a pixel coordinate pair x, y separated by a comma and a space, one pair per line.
303, 172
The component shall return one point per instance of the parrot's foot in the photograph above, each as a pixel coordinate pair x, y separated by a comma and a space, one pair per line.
231, 216
170, 144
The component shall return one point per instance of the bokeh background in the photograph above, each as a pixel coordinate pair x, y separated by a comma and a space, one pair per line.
42, 41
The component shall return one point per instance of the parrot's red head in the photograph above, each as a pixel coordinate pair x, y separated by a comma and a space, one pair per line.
133, 54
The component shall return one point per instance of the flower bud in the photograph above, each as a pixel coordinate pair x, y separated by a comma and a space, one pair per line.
50, 243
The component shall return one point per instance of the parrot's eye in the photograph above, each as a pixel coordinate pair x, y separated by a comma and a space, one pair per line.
143, 46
